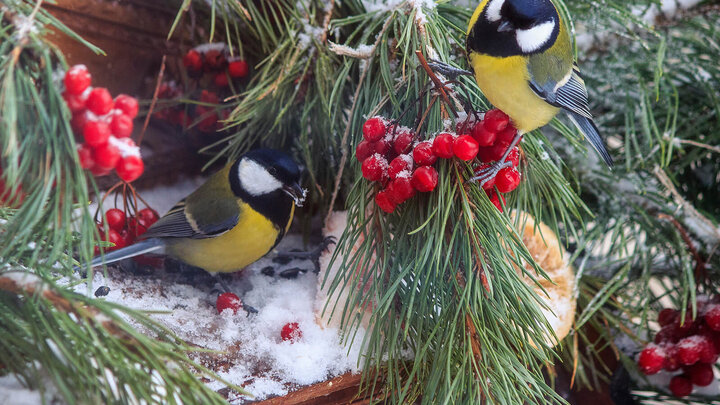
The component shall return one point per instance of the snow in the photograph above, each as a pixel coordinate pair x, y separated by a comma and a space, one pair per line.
12, 392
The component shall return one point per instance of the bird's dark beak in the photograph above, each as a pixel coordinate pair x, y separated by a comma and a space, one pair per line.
505, 26
296, 192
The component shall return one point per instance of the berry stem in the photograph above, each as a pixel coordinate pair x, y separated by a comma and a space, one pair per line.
438, 84
154, 100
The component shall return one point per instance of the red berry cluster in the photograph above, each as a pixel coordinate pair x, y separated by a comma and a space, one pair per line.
228, 300
693, 346
214, 60
291, 332
105, 126
123, 230
392, 156
9, 197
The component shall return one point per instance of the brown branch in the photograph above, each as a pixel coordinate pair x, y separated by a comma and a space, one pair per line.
154, 100
700, 264
438, 84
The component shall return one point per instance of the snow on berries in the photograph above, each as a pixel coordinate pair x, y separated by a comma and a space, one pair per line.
687, 347
229, 301
291, 332
395, 157
104, 125
124, 229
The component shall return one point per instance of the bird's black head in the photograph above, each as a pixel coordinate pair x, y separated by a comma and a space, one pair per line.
514, 27
268, 180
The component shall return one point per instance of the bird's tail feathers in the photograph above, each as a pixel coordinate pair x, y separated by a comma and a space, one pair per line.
590, 130
139, 248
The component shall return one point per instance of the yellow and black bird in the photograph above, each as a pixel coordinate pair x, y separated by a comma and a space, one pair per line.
236, 217
521, 55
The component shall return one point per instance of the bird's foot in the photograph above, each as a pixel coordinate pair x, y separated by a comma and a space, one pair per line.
313, 254
446, 70
486, 174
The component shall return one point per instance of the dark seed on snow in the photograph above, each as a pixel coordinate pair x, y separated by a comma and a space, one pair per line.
102, 291
268, 271
282, 259
292, 273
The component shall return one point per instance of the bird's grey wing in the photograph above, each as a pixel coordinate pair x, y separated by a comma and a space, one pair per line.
570, 95
220, 216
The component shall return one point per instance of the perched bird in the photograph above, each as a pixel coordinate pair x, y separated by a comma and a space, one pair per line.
522, 59
237, 216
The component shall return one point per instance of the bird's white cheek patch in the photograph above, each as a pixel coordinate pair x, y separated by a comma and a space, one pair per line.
492, 11
255, 179
532, 39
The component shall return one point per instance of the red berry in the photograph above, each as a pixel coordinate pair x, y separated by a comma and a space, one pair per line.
495, 120
77, 122
490, 183
128, 105
672, 362
113, 237
121, 126
423, 154
680, 386
383, 200
424, 179
491, 153
712, 317
77, 79
98, 171
374, 129
400, 190
689, 350
382, 147
214, 60
505, 137
465, 147
400, 164
507, 179
147, 217
364, 150
701, 374
374, 168
221, 79
482, 135
238, 68
85, 155
99, 101
130, 168
106, 156
708, 354
96, 133
135, 228
442, 146
514, 157
115, 219
495, 199
651, 359
75, 102
403, 141
193, 60
209, 97
291, 331
228, 300
687, 327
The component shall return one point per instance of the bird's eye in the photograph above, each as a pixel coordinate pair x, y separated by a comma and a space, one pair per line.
273, 171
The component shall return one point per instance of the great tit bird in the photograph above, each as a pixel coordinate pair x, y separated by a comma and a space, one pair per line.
522, 59
236, 217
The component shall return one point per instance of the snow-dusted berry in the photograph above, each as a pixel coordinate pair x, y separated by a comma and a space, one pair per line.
465, 147
423, 154
689, 350
130, 168
400, 190
514, 157
238, 68
712, 317
77, 79
228, 300
398, 165
442, 146
96, 133
121, 126
680, 386
75, 102
193, 60
507, 179
403, 141
652, 359
374, 168
383, 200
495, 120
424, 179
127, 104
291, 332
85, 155
672, 362
381, 146
99, 101
374, 129
106, 156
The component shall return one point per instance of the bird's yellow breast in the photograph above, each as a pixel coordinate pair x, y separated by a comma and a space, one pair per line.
504, 81
252, 238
